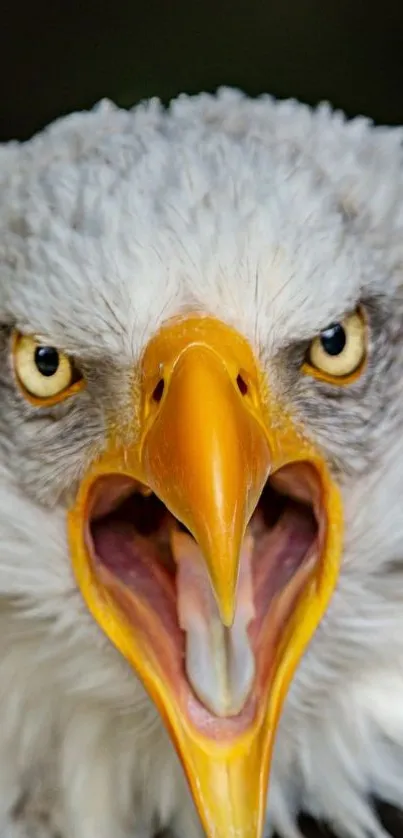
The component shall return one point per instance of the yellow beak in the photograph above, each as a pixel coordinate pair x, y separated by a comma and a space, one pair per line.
207, 459
205, 438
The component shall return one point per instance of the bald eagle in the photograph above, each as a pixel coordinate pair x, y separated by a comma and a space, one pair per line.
201, 471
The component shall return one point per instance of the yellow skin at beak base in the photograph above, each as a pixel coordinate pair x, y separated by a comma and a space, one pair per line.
225, 443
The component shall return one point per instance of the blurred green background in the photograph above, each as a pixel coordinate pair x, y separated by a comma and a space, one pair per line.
61, 56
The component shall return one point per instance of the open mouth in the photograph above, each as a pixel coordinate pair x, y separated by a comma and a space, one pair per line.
206, 540
151, 566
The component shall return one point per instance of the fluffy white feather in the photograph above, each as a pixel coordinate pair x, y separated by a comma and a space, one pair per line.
275, 218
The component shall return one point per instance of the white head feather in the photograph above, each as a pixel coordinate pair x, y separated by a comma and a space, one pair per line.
276, 219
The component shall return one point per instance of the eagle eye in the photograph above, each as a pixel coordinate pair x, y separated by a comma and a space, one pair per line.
45, 375
338, 353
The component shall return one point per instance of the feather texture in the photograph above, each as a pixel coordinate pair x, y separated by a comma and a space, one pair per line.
278, 219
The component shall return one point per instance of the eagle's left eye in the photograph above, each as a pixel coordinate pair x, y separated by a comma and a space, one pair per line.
44, 374
339, 351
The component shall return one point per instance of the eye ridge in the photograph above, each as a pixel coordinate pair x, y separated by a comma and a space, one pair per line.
47, 360
333, 339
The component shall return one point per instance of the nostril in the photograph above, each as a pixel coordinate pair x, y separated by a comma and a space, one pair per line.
242, 385
159, 390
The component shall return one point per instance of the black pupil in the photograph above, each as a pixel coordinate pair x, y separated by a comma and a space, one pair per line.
47, 360
333, 339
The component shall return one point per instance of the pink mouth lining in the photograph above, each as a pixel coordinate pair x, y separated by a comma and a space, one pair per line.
129, 540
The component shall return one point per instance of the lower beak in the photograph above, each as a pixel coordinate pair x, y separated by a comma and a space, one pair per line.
208, 442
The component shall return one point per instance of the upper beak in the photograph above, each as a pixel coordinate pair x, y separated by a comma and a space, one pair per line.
208, 441
207, 459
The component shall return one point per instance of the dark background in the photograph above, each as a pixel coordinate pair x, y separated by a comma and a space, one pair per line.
60, 56
56, 57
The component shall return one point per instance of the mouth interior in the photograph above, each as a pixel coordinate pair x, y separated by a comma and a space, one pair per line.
130, 537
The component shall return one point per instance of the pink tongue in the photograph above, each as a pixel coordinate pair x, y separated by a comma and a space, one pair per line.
219, 661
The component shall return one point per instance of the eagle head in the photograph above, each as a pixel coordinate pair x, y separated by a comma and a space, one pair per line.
201, 468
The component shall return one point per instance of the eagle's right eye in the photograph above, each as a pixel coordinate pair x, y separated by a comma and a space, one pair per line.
45, 374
